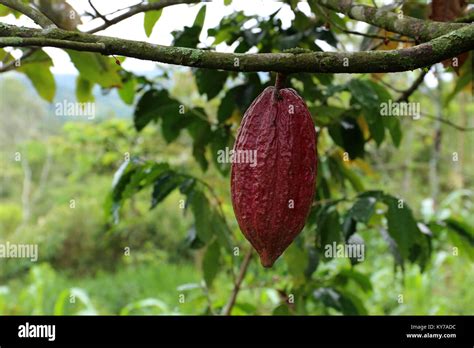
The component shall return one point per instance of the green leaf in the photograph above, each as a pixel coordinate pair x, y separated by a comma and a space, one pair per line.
296, 260
328, 227
460, 234
465, 78
356, 243
390, 123
341, 301
127, 91
130, 178
192, 240
202, 215
37, 69
200, 131
155, 104
227, 106
364, 94
348, 135
461, 227
200, 17
163, 186
210, 82
145, 112
221, 230
147, 303
363, 209
221, 140
392, 247
189, 37
84, 90
326, 114
211, 263
351, 304
281, 310
393, 126
246, 93
96, 68
402, 226
4, 11
151, 18
359, 278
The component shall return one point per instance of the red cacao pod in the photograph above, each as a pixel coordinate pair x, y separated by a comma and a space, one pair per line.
272, 195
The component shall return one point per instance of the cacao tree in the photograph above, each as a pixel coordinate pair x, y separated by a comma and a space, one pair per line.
334, 90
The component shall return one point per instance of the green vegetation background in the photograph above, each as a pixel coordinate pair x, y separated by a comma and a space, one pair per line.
83, 267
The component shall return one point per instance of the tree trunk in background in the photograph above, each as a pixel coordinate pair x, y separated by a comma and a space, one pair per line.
462, 142
435, 152
407, 175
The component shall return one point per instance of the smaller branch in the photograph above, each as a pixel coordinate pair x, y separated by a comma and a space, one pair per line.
100, 15
243, 270
132, 11
388, 85
39, 42
372, 36
11, 65
121, 9
449, 123
29, 11
415, 28
406, 94
375, 36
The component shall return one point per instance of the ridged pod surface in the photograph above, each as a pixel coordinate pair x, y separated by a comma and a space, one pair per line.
272, 194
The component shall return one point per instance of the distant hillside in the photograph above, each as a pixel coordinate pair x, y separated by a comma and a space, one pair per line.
107, 105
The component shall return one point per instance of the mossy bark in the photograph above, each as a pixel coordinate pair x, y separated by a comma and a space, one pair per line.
441, 48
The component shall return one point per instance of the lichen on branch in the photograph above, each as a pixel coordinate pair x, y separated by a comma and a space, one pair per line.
439, 49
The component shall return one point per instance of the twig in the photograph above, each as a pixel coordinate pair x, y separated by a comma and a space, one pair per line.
390, 21
29, 11
375, 36
243, 270
100, 15
449, 123
142, 7
406, 94
11, 65
395, 89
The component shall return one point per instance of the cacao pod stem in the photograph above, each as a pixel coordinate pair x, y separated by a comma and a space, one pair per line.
280, 82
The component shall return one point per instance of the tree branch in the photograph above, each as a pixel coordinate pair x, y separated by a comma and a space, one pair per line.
407, 94
132, 11
29, 11
11, 65
97, 13
449, 123
243, 270
411, 58
418, 29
